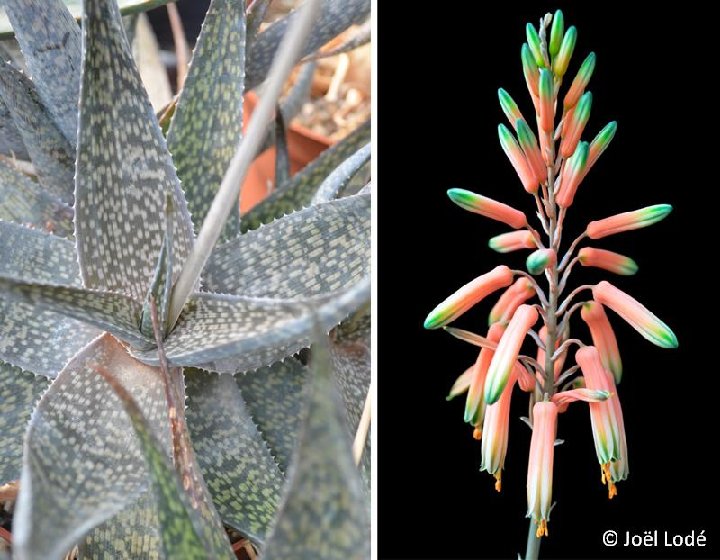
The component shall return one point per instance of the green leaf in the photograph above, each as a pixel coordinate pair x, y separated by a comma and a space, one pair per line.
323, 514
184, 531
226, 333
303, 186
50, 41
241, 474
82, 461
207, 125
11, 143
124, 170
36, 340
274, 397
75, 7
131, 533
335, 17
314, 251
51, 153
341, 176
19, 391
24, 201
116, 313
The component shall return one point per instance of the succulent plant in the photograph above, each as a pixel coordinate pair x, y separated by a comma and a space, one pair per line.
160, 419
551, 163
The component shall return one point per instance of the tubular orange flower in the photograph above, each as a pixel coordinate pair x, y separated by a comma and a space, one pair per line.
603, 337
513, 241
525, 379
636, 314
467, 296
533, 41
575, 126
474, 404
509, 107
517, 159
468, 200
507, 351
547, 100
495, 434
529, 145
563, 400
572, 174
562, 60
530, 70
540, 465
601, 142
461, 385
627, 221
606, 419
517, 294
580, 82
607, 260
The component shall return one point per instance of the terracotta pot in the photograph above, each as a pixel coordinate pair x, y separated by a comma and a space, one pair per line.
304, 145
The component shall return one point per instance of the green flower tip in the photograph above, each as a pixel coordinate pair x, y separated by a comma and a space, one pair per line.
587, 67
656, 212
533, 41
556, 33
562, 60
539, 260
433, 320
666, 338
546, 83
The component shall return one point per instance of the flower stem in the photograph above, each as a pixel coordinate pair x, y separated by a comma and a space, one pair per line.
532, 550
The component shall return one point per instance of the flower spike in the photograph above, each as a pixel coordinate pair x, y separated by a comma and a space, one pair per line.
488, 207
540, 465
607, 260
636, 315
628, 221
507, 351
603, 337
559, 362
513, 241
467, 296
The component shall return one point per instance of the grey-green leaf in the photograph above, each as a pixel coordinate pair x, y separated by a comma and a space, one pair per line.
184, 532
82, 461
50, 41
240, 472
11, 143
52, 154
124, 170
234, 333
323, 515
303, 186
19, 391
274, 397
208, 120
26, 202
334, 18
314, 251
116, 313
341, 176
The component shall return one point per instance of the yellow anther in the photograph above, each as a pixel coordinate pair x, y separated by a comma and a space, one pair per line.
498, 482
542, 529
477, 433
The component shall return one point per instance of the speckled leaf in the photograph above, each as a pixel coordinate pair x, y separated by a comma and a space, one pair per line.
304, 185
241, 474
207, 126
235, 333
255, 16
36, 340
282, 158
116, 313
19, 391
26, 202
314, 251
341, 176
358, 39
160, 288
274, 397
184, 532
132, 533
124, 170
11, 143
351, 365
323, 514
82, 461
355, 328
334, 18
51, 153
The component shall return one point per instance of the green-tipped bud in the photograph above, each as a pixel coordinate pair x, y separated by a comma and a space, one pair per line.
562, 60
576, 125
556, 33
509, 107
539, 260
533, 41
601, 142
580, 82
526, 137
530, 69
547, 101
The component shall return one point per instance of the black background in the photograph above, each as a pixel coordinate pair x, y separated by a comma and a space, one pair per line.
439, 69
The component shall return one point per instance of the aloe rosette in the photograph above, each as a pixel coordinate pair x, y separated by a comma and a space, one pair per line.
156, 433
551, 161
